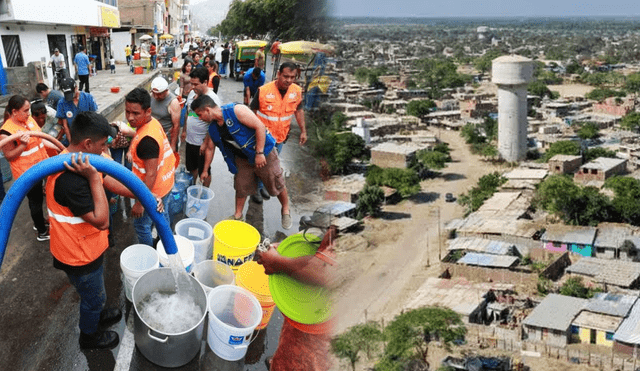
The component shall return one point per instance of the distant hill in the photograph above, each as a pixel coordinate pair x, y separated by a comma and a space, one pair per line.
208, 13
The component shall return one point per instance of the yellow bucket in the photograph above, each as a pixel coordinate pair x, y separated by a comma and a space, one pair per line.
251, 276
235, 243
176, 75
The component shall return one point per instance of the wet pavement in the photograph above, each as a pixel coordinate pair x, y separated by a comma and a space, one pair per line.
39, 308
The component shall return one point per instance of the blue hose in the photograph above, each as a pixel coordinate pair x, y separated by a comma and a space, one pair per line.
53, 165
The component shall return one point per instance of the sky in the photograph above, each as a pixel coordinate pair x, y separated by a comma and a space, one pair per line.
484, 8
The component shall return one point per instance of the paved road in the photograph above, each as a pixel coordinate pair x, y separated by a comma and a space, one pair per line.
39, 308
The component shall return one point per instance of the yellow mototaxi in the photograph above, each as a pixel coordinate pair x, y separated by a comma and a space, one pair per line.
306, 55
245, 56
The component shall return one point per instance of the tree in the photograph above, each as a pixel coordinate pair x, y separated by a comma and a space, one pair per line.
370, 200
433, 159
406, 181
487, 186
345, 346
410, 334
601, 94
483, 64
563, 147
339, 149
627, 192
555, 192
362, 337
631, 121
419, 108
591, 154
632, 83
589, 131
539, 88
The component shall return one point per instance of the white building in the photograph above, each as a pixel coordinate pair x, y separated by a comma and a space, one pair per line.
32, 29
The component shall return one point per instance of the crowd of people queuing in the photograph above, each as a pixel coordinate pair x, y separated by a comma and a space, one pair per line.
250, 137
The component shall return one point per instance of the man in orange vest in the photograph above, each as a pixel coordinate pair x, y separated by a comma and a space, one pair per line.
152, 158
275, 104
79, 216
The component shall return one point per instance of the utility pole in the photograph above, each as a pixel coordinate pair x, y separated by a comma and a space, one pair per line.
439, 238
428, 264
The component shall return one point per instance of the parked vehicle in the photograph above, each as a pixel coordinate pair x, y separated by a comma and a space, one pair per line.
245, 56
449, 197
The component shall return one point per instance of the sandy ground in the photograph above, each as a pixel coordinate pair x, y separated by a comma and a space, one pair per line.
571, 90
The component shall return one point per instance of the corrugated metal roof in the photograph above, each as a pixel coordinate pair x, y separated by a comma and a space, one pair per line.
488, 260
570, 234
614, 272
597, 321
629, 330
481, 245
612, 304
612, 235
336, 208
478, 223
548, 314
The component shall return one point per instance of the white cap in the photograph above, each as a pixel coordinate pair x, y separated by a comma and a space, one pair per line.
159, 84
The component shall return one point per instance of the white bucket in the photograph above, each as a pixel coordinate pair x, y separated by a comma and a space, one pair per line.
135, 261
211, 274
200, 233
198, 207
233, 315
185, 250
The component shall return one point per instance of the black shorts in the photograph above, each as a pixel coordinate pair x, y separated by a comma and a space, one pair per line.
193, 160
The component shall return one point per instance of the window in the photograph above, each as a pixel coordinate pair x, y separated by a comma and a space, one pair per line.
556, 244
575, 329
610, 336
12, 50
594, 171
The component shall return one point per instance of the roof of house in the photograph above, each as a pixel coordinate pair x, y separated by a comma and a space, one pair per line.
613, 272
404, 149
564, 158
457, 294
488, 260
629, 330
522, 173
570, 234
612, 304
597, 321
547, 315
603, 163
481, 245
612, 235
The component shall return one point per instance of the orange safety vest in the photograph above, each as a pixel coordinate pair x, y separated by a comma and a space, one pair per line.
74, 241
211, 79
275, 111
166, 162
35, 151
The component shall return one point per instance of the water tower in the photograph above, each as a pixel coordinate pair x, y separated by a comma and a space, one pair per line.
512, 73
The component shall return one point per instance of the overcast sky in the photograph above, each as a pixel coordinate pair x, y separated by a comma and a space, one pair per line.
484, 8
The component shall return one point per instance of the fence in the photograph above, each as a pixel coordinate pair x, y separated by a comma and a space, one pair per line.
507, 340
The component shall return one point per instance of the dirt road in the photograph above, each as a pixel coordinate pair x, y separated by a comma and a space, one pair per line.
383, 272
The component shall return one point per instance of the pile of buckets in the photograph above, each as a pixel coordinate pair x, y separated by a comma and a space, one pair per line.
232, 290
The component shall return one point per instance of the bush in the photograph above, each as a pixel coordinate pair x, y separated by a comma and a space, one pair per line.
419, 108
487, 186
370, 200
338, 149
405, 181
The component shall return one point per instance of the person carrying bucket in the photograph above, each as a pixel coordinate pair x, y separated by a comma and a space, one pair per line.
247, 148
303, 347
79, 216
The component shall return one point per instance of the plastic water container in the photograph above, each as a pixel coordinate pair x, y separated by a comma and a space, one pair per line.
198, 201
233, 315
200, 233
252, 277
177, 199
235, 242
212, 274
185, 250
184, 177
135, 261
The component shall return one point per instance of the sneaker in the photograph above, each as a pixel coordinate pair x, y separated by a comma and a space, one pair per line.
233, 217
265, 194
109, 316
99, 340
286, 221
46, 224
257, 198
44, 236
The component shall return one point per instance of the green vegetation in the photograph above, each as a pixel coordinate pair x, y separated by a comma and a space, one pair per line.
632, 83
625, 201
287, 19
406, 181
540, 89
601, 94
437, 74
601, 79
592, 153
543, 286
483, 63
563, 147
410, 334
357, 339
589, 130
487, 186
419, 108
370, 75
370, 201
631, 121
574, 287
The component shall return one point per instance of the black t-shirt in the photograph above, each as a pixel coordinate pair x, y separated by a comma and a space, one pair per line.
228, 141
255, 102
73, 191
225, 56
148, 148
